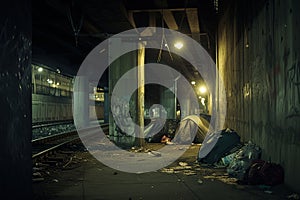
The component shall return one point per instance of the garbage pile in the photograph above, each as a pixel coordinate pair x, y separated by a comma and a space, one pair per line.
242, 161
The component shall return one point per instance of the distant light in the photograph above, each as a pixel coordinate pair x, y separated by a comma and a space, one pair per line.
58, 71
178, 45
40, 69
57, 83
202, 89
49, 81
193, 82
166, 45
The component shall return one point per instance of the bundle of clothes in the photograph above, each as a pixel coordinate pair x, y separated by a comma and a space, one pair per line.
243, 161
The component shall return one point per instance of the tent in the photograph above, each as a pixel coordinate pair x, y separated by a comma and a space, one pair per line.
192, 128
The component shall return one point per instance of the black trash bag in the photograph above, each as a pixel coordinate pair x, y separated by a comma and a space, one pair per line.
227, 139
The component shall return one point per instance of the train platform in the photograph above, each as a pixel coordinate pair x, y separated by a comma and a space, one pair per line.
87, 178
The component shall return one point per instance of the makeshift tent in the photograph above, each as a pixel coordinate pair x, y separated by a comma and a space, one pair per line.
192, 128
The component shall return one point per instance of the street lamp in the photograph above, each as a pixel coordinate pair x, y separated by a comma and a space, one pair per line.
40, 69
202, 89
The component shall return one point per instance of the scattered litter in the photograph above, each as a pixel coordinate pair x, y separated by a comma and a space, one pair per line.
200, 181
68, 163
155, 153
268, 192
222, 178
293, 196
55, 180
167, 170
178, 168
189, 172
37, 174
36, 168
228, 159
183, 164
38, 179
169, 143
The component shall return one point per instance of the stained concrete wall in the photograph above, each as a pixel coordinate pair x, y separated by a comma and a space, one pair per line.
258, 59
15, 100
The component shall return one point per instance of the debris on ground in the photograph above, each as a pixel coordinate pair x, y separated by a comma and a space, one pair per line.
293, 196
55, 180
223, 178
268, 192
154, 153
182, 164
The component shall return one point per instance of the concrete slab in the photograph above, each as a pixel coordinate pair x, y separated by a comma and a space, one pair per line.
95, 181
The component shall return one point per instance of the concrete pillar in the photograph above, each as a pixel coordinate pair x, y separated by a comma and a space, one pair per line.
117, 69
81, 102
106, 105
15, 100
168, 100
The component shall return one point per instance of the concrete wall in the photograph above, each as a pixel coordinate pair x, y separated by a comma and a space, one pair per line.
15, 100
51, 108
258, 59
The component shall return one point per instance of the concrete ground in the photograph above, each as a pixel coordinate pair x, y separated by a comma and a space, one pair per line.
88, 179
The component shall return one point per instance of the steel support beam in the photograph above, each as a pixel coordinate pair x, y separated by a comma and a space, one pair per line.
192, 16
141, 92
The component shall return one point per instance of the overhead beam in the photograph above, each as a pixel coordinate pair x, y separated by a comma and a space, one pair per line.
149, 31
169, 19
157, 10
192, 16
61, 8
128, 14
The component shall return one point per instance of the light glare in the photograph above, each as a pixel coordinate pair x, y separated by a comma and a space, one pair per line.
40, 69
202, 89
178, 45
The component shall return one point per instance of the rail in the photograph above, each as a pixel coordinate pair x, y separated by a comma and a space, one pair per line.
44, 146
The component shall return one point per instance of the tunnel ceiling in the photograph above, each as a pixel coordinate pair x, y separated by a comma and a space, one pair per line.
65, 31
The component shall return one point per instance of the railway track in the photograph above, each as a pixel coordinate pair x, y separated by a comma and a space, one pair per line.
49, 124
42, 147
